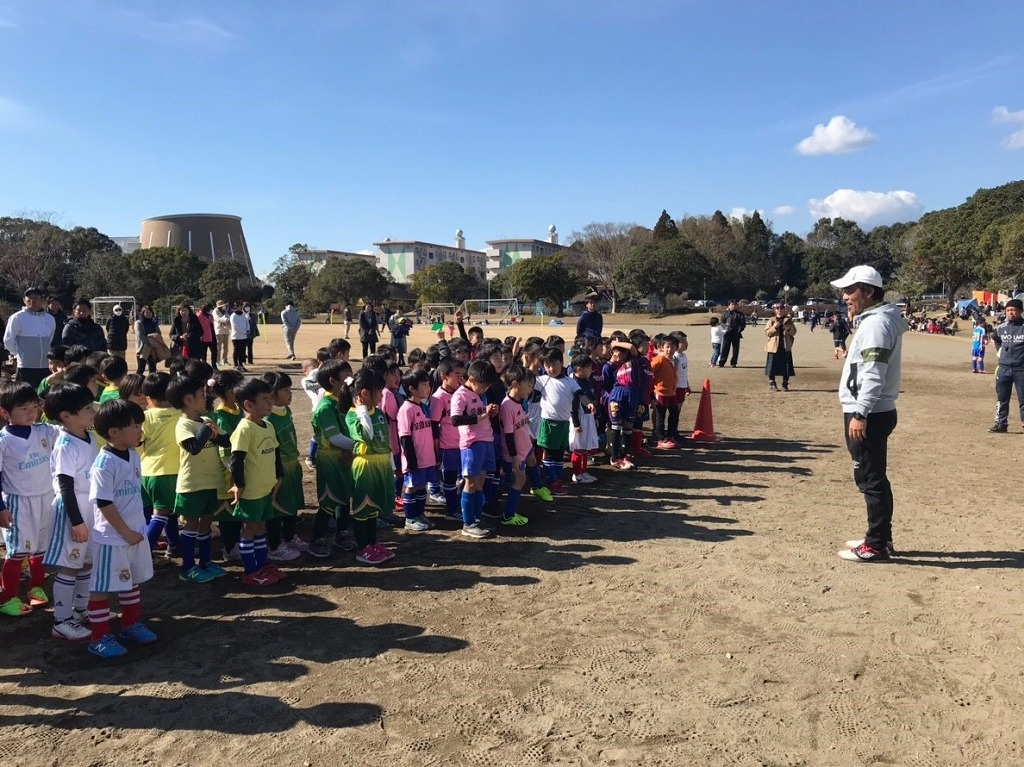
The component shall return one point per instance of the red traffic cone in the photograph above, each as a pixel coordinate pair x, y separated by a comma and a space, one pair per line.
704, 427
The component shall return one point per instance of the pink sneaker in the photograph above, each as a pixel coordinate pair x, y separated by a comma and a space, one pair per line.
371, 555
384, 552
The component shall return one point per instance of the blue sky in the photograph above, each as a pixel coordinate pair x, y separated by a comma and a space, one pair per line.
339, 123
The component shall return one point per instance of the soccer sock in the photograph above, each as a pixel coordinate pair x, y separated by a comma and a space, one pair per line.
155, 528
82, 590
147, 512
361, 529
205, 546
171, 531
584, 459
433, 488
10, 578
974, 365
492, 485
131, 607
99, 618
628, 443
311, 453
245, 548
616, 444
409, 504
188, 550
450, 490
468, 509
533, 474
512, 502
478, 506
577, 463
421, 504
63, 597
371, 530
36, 571
320, 523
259, 547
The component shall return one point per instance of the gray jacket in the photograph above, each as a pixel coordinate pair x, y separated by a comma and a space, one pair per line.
871, 373
290, 318
27, 337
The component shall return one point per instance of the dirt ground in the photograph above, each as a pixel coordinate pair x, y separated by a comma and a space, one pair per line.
691, 613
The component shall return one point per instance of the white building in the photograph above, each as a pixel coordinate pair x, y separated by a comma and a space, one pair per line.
502, 254
403, 258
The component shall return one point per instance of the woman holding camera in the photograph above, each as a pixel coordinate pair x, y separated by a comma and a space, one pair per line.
780, 331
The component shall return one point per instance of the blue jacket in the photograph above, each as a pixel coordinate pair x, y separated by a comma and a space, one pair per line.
590, 324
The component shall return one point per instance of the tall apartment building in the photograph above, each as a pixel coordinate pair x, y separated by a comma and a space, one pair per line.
403, 258
502, 254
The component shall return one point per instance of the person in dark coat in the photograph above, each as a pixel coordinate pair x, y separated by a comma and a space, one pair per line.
60, 318
82, 330
368, 330
187, 334
117, 332
734, 322
590, 323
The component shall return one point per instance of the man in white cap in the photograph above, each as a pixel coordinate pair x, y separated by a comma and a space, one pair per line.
867, 392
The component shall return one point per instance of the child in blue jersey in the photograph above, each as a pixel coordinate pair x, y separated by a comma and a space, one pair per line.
979, 340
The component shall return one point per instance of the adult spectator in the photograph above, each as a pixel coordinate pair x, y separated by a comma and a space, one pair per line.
222, 331
348, 319
868, 390
60, 317
117, 332
28, 336
145, 326
368, 330
186, 334
733, 322
254, 329
780, 331
207, 340
239, 336
1008, 337
385, 317
399, 327
590, 322
82, 330
291, 321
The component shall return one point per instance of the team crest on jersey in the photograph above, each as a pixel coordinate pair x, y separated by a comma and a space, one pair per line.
74, 555
28, 545
124, 576
44, 442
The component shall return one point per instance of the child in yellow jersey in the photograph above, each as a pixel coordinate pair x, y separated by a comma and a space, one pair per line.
160, 462
256, 471
226, 416
284, 545
200, 477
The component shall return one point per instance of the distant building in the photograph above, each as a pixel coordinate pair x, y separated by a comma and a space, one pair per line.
502, 254
210, 236
404, 258
127, 245
318, 256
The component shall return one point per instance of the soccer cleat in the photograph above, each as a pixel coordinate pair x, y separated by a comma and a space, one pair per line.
889, 549
344, 542
259, 580
417, 525
196, 575
283, 553
214, 570
273, 572
70, 631
371, 555
540, 492
517, 520
233, 555
436, 499
80, 616
558, 488
37, 597
864, 553
107, 647
475, 530
15, 608
138, 633
997, 428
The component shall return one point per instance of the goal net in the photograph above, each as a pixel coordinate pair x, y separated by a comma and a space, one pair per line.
103, 307
432, 312
499, 311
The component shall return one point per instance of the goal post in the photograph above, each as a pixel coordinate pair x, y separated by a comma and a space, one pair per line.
433, 312
103, 307
492, 311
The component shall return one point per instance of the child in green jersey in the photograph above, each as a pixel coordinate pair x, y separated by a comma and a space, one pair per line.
333, 459
284, 545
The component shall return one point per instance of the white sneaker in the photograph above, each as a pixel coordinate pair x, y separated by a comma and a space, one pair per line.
583, 479
80, 616
70, 631
298, 545
436, 499
283, 553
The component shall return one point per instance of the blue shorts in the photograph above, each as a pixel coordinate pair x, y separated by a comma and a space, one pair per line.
620, 413
419, 477
977, 351
451, 459
478, 459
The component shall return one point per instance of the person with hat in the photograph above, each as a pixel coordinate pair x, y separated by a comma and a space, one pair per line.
117, 332
222, 330
28, 335
868, 390
1009, 340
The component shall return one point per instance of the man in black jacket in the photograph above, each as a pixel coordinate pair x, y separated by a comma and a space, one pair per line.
733, 322
82, 330
1009, 340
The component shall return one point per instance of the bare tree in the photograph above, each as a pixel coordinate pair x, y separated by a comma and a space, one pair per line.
601, 249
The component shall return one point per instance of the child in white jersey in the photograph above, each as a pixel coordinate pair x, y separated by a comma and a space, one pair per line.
419, 459
71, 463
559, 396
26, 513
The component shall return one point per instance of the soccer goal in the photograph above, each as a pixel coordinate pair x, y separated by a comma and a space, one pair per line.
103, 307
492, 311
433, 312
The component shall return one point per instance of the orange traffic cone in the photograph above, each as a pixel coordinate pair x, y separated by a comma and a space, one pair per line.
704, 428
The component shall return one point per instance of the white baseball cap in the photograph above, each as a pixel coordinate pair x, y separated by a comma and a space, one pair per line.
867, 275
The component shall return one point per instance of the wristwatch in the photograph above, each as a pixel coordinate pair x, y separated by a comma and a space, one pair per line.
858, 417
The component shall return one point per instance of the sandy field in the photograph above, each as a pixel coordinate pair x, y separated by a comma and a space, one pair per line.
693, 612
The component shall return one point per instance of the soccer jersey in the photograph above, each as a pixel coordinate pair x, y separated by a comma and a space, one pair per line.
227, 419
390, 405
159, 449
259, 443
441, 414
110, 391
414, 422
978, 339
328, 422
284, 426
556, 397
198, 472
25, 461
515, 420
377, 443
74, 457
465, 401
119, 481
682, 373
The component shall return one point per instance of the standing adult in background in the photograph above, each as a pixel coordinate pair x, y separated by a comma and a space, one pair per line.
28, 336
385, 317
868, 390
207, 339
348, 319
117, 332
254, 330
291, 321
368, 330
239, 336
82, 329
733, 323
145, 326
1008, 337
399, 327
591, 322
187, 334
60, 317
779, 362
222, 331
